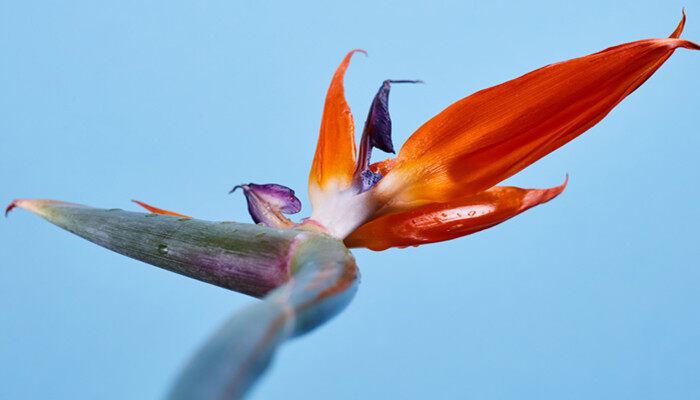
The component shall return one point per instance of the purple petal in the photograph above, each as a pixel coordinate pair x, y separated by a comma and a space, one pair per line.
267, 202
378, 125
377, 133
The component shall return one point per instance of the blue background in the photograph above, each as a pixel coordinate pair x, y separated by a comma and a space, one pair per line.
593, 295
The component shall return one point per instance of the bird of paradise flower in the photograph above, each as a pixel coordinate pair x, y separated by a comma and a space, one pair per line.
440, 186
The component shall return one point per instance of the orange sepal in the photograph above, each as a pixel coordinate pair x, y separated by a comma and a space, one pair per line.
156, 210
383, 167
492, 134
334, 160
438, 222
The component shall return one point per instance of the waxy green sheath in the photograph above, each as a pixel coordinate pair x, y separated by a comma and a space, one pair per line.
246, 258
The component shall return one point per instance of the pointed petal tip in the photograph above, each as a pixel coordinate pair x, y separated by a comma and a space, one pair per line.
403, 81
539, 196
689, 45
11, 207
557, 190
566, 182
348, 56
679, 29
674, 43
241, 186
33, 205
677, 33
352, 52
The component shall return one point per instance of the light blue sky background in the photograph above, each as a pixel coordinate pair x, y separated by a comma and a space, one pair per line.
592, 296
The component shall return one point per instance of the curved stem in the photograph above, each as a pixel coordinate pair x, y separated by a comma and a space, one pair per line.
324, 281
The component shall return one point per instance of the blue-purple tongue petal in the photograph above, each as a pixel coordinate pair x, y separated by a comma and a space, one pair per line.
267, 203
377, 133
378, 123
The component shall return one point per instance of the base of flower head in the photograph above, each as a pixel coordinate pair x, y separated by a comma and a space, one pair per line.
342, 212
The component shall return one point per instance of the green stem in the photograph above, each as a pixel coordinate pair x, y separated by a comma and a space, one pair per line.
324, 281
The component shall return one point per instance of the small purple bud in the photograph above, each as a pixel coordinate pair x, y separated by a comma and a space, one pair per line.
267, 203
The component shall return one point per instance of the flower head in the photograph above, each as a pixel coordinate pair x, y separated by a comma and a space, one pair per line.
442, 183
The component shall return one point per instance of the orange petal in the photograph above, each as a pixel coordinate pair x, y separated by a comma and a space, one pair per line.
438, 222
492, 134
158, 210
383, 167
334, 160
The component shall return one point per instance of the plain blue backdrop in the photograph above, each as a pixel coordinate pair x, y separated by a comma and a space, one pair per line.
591, 296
